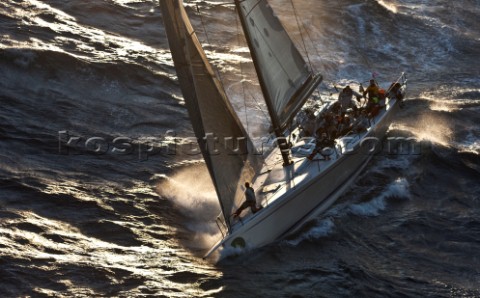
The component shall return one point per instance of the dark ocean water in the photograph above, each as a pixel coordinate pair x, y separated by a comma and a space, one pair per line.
115, 214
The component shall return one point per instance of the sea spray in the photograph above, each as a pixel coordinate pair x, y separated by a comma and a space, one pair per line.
191, 191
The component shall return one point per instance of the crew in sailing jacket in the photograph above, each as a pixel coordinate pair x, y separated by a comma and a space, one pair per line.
345, 98
373, 92
250, 201
373, 105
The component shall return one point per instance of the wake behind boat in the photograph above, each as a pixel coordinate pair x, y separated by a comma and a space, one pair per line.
300, 177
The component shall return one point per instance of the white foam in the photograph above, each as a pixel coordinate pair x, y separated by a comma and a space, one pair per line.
326, 226
370, 208
398, 189
323, 228
231, 251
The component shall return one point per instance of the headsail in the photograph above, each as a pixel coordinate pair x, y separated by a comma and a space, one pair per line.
286, 79
210, 112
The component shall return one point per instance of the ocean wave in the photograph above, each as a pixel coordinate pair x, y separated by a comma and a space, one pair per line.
95, 225
76, 93
397, 189
59, 62
319, 229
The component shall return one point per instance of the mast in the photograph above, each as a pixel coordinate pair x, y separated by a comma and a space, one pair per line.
285, 78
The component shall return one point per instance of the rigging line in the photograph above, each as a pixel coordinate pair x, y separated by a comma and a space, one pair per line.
241, 75
203, 23
301, 35
311, 40
217, 72
259, 106
243, 80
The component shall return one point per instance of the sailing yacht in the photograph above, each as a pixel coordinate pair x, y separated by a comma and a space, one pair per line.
290, 187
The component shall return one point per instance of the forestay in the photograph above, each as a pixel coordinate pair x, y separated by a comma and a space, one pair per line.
211, 114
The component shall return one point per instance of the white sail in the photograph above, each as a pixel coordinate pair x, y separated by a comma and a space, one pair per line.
210, 112
286, 79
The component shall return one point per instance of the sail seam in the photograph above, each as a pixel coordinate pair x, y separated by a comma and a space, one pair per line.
253, 8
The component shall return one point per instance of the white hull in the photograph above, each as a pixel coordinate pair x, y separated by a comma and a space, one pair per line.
299, 202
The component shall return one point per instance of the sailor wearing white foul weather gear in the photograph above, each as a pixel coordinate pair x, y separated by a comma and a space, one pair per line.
345, 99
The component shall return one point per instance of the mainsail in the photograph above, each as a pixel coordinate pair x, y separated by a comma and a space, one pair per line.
286, 79
221, 137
